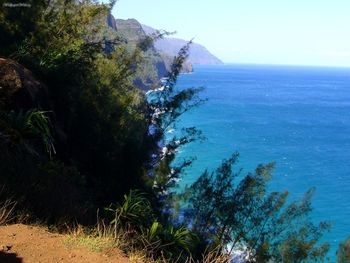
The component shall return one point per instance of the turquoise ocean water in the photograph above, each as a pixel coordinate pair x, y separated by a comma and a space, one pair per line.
298, 117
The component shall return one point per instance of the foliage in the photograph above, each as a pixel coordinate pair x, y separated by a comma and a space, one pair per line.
22, 130
136, 210
14, 30
98, 122
150, 65
166, 105
136, 217
26, 141
343, 252
248, 216
94, 146
28, 171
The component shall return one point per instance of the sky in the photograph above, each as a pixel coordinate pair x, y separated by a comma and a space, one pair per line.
291, 32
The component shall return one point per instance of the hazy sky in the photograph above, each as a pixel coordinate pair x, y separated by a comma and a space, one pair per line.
304, 32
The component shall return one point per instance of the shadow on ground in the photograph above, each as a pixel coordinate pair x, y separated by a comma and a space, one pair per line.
9, 258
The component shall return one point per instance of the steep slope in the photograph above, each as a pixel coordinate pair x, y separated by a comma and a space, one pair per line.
153, 67
133, 31
156, 63
198, 53
168, 60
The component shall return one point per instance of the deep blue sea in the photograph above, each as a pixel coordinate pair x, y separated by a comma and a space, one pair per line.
298, 117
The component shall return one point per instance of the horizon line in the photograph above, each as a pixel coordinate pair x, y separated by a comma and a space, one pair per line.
276, 64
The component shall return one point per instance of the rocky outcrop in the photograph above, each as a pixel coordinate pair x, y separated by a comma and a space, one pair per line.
19, 89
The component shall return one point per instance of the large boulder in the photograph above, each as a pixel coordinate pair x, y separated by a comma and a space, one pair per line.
19, 89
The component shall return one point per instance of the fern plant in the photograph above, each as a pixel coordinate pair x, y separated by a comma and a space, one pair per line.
21, 130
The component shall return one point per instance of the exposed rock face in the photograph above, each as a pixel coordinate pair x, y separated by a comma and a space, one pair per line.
19, 89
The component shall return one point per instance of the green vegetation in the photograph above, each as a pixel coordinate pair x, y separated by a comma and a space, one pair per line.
343, 252
89, 239
86, 137
151, 68
247, 215
148, 234
98, 119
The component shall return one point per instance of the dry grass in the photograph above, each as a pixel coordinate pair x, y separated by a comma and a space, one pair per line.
124, 241
80, 237
139, 256
6, 211
106, 237
213, 257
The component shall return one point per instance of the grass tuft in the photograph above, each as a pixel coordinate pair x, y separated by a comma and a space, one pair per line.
106, 238
6, 211
89, 239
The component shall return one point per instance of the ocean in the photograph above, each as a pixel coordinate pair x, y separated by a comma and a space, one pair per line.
297, 117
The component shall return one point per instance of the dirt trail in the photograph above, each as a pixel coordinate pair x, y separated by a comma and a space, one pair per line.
28, 244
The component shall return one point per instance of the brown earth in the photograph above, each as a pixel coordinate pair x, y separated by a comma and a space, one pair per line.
29, 244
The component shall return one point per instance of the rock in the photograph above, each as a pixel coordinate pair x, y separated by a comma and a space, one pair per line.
5, 248
19, 89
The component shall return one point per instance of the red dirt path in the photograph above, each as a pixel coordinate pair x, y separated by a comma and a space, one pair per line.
28, 244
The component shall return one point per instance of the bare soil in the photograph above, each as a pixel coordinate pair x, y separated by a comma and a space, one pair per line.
29, 244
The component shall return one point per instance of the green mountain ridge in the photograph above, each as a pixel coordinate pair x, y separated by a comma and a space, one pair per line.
153, 68
156, 64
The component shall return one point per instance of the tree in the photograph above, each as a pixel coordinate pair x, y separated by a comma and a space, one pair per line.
343, 252
166, 105
246, 217
98, 116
